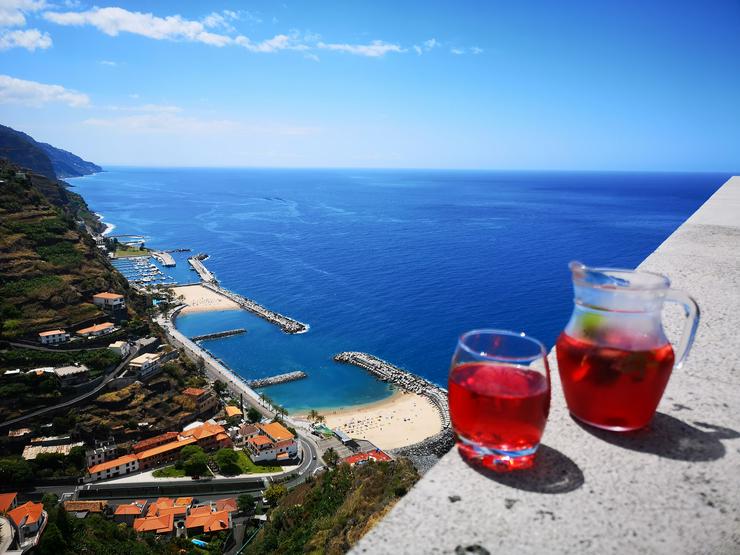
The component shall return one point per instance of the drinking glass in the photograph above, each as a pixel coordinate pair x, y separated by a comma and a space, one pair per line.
499, 396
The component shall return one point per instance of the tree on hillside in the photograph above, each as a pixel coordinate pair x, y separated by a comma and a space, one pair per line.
196, 465
219, 387
15, 471
246, 503
253, 415
330, 457
228, 461
274, 493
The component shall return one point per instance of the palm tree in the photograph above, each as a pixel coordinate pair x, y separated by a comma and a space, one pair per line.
313, 414
320, 418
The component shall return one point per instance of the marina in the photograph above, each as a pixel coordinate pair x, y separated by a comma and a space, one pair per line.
141, 271
164, 258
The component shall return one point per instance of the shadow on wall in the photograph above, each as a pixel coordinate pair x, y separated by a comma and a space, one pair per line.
671, 438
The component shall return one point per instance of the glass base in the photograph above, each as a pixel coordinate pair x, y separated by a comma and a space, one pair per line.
498, 460
614, 428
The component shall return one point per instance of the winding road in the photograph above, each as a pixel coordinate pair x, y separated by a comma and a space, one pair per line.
74, 401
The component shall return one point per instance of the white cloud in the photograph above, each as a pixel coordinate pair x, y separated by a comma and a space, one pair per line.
426, 46
276, 43
113, 21
457, 51
31, 93
476, 50
375, 49
312, 57
30, 39
12, 12
108, 63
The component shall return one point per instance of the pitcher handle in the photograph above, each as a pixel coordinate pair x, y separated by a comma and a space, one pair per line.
692, 313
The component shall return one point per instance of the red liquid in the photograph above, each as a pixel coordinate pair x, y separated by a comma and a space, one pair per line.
612, 388
498, 406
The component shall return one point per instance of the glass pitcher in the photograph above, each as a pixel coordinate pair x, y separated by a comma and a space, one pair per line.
613, 356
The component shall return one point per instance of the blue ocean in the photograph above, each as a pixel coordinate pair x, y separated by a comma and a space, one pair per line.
396, 263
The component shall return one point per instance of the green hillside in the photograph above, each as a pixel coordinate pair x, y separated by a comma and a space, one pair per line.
49, 268
332, 513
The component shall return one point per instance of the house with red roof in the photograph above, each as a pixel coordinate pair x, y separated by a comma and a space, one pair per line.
361, 458
128, 512
273, 443
109, 300
30, 521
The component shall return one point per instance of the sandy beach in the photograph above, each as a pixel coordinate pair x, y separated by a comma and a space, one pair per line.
201, 299
400, 420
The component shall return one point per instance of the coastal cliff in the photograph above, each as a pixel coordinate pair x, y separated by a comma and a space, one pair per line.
42, 158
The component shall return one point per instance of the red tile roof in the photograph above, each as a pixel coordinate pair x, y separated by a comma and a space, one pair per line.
259, 440
211, 522
159, 524
28, 513
113, 463
129, 509
228, 504
276, 431
376, 455
194, 391
156, 440
97, 327
6, 500
51, 332
107, 296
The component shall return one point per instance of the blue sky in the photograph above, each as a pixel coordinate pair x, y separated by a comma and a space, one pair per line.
617, 85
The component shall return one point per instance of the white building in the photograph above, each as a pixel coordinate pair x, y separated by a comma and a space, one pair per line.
53, 337
273, 443
121, 348
146, 364
109, 300
117, 467
103, 451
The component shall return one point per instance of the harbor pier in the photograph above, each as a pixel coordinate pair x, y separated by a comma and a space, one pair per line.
205, 274
164, 258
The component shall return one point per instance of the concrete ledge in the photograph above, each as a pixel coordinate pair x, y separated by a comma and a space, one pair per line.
674, 488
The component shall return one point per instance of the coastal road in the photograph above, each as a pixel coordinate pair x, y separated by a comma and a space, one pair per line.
74, 401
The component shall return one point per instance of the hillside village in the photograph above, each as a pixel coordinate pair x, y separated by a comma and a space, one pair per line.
92, 394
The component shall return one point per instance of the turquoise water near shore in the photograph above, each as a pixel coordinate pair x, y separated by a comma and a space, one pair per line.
395, 263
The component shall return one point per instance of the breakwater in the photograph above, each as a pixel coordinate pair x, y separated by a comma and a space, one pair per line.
218, 334
280, 378
387, 372
285, 323
205, 274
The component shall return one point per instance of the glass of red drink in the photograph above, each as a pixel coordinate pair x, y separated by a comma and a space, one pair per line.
613, 357
499, 396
